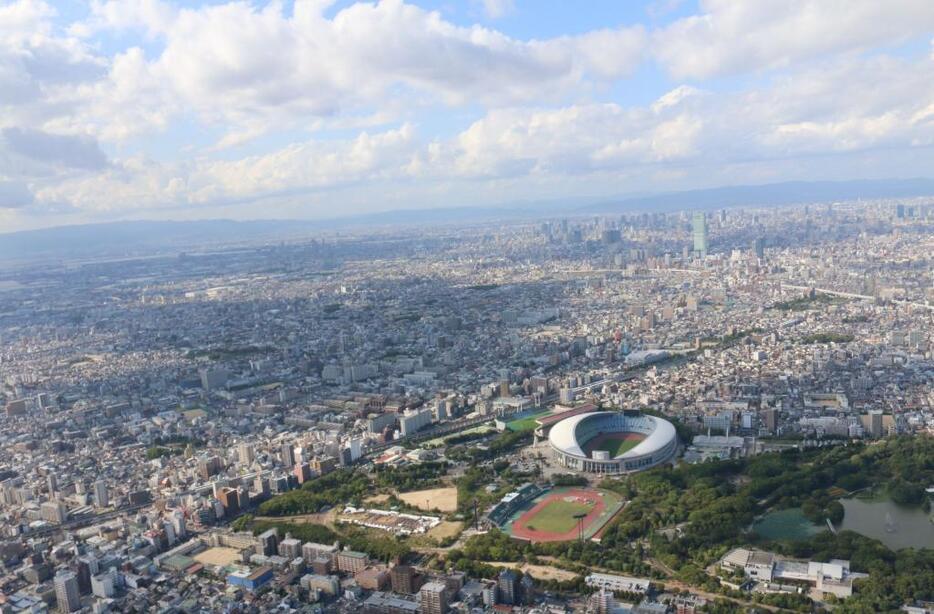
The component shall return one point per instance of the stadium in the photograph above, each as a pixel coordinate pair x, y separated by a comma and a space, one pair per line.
609, 442
537, 514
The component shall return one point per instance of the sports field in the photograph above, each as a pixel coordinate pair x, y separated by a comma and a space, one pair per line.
558, 515
441, 499
550, 516
528, 423
614, 443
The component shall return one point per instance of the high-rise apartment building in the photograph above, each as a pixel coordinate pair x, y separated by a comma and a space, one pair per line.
508, 587
245, 453
268, 542
404, 579
66, 592
434, 598
101, 494
287, 455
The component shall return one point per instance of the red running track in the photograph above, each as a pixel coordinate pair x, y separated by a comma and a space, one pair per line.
521, 530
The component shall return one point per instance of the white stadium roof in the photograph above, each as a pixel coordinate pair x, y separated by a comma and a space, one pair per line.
564, 435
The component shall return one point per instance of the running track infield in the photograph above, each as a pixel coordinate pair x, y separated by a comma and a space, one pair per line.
603, 506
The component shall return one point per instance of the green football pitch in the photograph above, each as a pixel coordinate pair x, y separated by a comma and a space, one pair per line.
528, 423
617, 446
558, 516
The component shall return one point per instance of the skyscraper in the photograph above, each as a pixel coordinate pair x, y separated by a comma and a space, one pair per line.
700, 234
66, 592
758, 248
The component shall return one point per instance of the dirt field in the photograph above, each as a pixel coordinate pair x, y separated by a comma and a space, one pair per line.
447, 528
539, 572
218, 556
326, 518
377, 499
441, 499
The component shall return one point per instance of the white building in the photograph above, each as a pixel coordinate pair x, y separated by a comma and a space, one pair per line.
834, 577
413, 420
104, 585
614, 583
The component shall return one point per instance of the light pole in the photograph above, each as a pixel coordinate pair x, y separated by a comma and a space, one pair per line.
580, 526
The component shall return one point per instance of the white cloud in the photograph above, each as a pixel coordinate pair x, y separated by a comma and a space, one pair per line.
14, 195
730, 36
683, 129
62, 151
247, 67
153, 17
370, 81
495, 9
141, 183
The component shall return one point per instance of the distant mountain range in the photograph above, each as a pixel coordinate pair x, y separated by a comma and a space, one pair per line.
141, 236
789, 192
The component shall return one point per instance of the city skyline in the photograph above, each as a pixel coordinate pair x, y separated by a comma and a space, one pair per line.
310, 110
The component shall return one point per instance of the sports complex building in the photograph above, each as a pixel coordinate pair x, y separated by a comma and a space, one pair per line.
610, 442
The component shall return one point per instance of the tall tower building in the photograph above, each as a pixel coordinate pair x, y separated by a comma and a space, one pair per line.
758, 248
700, 234
66, 592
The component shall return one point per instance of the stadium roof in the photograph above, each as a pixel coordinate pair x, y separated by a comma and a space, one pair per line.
564, 435
554, 418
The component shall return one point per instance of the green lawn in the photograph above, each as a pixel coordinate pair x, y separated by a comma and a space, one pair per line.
526, 424
558, 516
617, 446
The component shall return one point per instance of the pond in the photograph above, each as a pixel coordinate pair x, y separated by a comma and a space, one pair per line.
894, 525
786, 524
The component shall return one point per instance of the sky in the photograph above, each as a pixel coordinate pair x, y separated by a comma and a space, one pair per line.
160, 109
